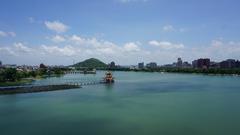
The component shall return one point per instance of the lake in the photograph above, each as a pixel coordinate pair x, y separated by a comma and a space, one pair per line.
137, 103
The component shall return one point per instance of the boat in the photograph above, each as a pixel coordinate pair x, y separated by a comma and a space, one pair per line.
108, 78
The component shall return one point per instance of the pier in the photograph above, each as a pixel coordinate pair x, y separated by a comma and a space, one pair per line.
42, 88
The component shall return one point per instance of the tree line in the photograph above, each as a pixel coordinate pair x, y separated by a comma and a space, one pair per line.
183, 70
12, 74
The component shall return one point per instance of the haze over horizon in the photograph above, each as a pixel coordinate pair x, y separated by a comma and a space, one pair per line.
60, 32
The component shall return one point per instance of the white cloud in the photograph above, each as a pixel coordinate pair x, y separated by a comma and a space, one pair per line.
78, 48
182, 30
22, 48
7, 34
131, 47
216, 50
89, 42
3, 34
217, 43
55, 50
7, 50
77, 39
84, 41
168, 28
108, 50
12, 34
56, 26
171, 28
224, 49
166, 45
58, 39
34, 20
17, 49
82, 47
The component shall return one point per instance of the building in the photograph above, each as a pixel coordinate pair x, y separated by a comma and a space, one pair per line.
237, 64
179, 62
230, 63
167, 66
214, 64
201, 63
42, 66
194, 64
151, 65
10, 66
141, 65
186, 65
133, 67
1, 64
112, 65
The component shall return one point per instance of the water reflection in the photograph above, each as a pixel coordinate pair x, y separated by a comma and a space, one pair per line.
109, 87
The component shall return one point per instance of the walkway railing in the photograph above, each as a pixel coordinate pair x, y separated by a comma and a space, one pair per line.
80, 72
84, 83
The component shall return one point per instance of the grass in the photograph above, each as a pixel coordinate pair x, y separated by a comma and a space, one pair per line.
16, 83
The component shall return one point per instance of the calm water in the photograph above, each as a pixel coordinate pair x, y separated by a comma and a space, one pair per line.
137, 104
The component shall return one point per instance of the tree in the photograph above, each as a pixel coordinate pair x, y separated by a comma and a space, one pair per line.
9, 74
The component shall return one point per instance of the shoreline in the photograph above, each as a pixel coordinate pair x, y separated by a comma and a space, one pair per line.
17, 83
196, 73
25, 81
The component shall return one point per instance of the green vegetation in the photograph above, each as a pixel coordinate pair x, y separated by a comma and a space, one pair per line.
203, 71
185, 70
16, 83
13, 77
91, 63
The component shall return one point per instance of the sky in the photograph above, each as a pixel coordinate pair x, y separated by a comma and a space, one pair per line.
63, 32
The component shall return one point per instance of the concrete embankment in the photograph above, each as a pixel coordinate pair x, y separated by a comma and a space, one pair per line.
31, 89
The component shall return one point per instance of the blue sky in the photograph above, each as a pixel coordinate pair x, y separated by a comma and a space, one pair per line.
126, 31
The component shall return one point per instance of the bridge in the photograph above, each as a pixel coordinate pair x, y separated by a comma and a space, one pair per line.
80, 72
85, 83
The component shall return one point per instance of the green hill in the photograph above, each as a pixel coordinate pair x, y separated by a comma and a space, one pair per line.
91, 63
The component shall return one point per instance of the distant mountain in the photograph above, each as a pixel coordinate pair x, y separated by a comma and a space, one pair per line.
90, 63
